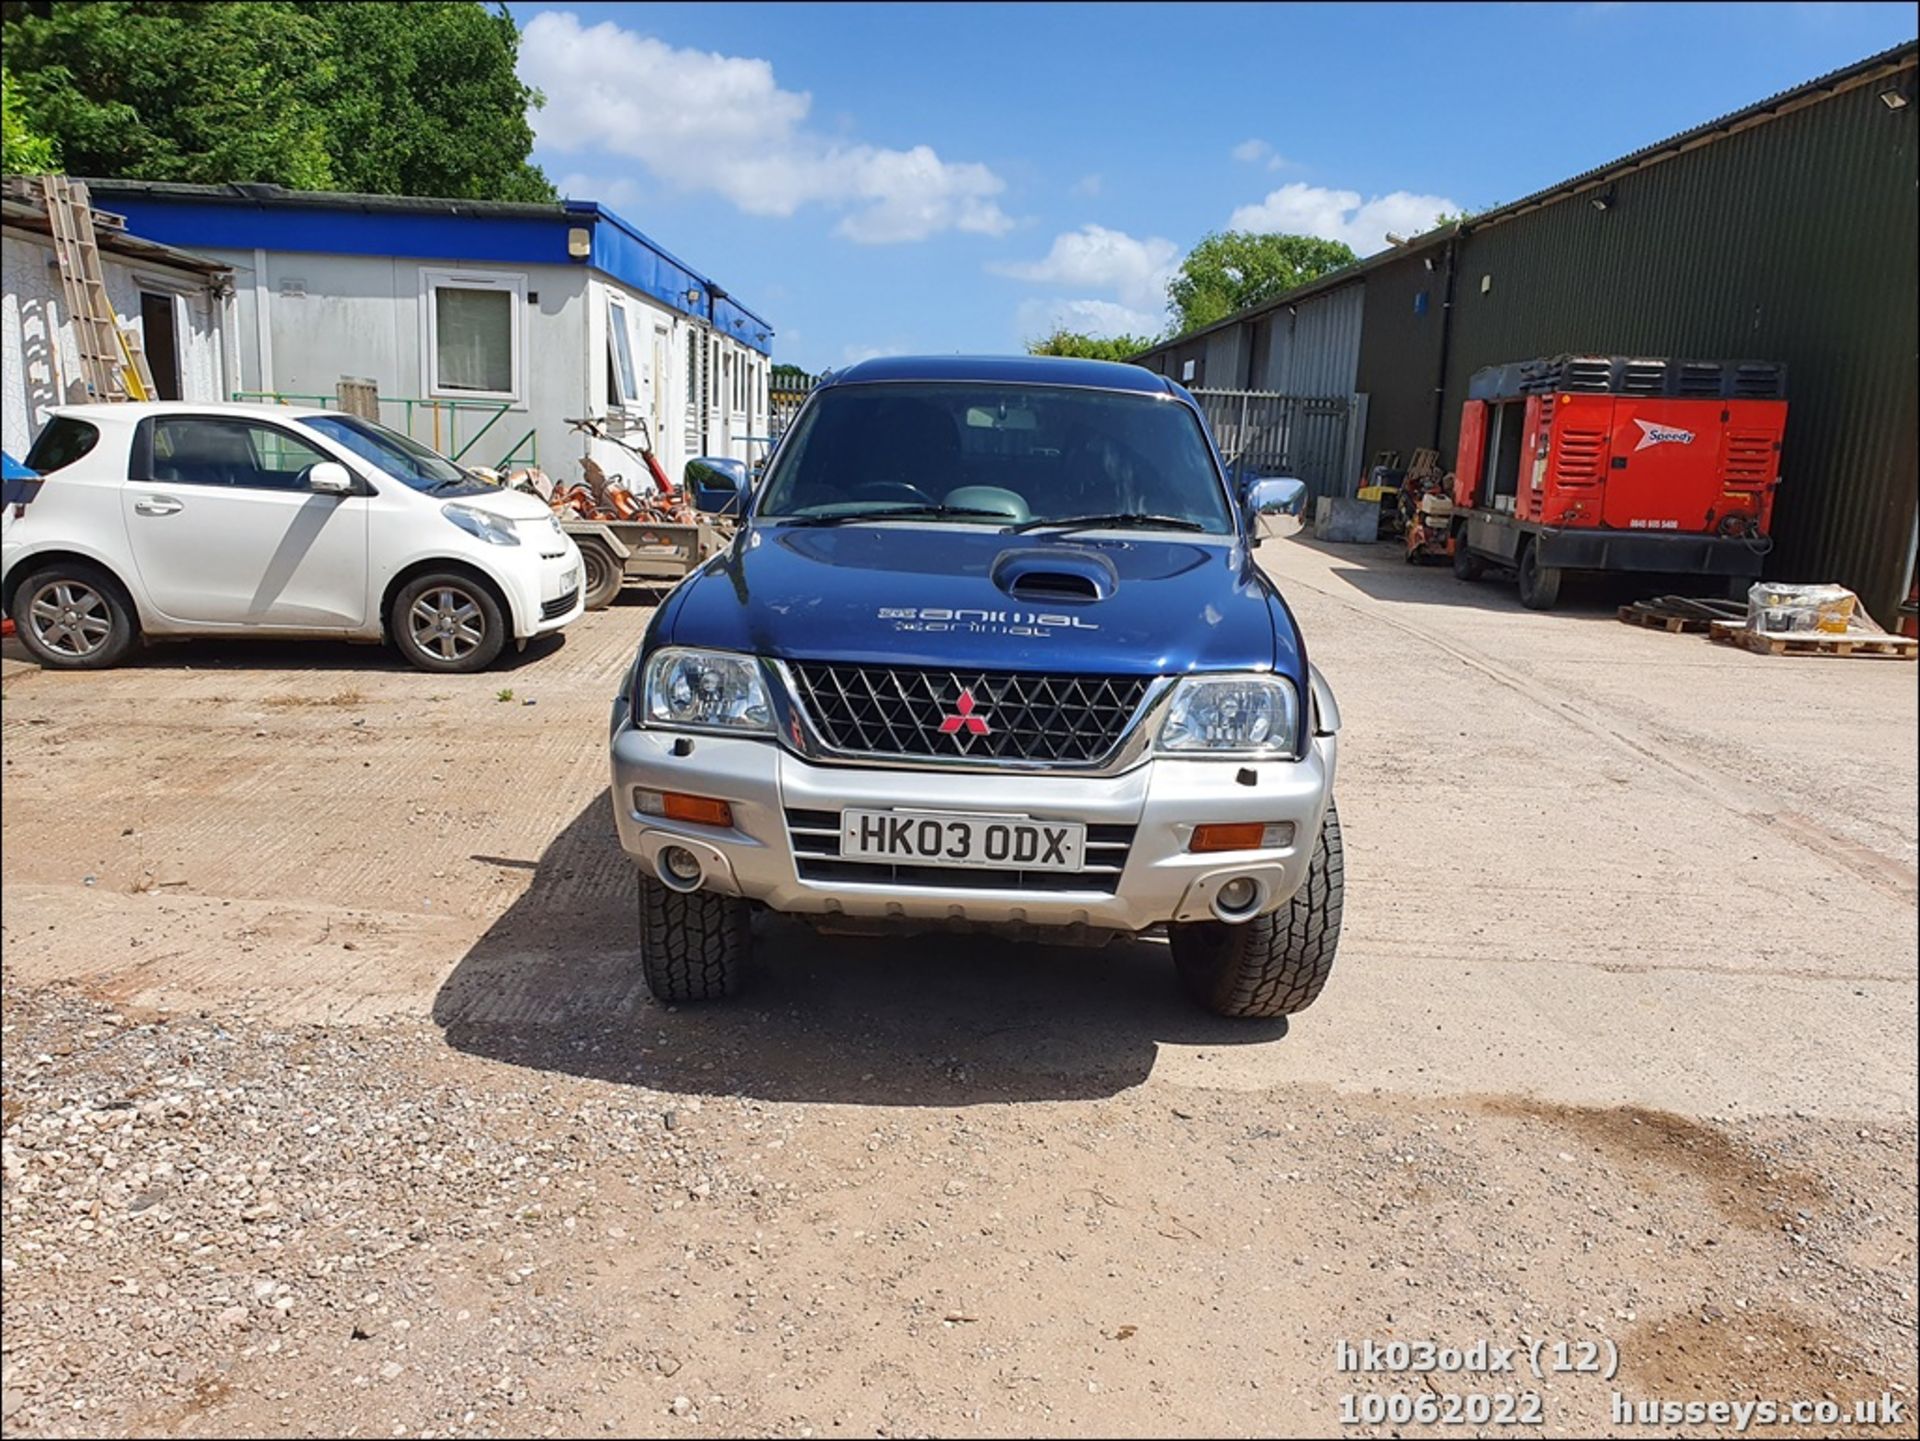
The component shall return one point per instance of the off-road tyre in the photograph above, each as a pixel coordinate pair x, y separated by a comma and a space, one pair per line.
1466, 565
693, 944
1272, 965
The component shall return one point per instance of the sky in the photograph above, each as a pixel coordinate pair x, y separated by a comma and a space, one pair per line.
877, 179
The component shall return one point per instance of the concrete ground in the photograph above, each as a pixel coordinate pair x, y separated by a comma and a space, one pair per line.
1620, 1046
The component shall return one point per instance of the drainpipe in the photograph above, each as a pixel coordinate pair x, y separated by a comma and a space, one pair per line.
1446, 336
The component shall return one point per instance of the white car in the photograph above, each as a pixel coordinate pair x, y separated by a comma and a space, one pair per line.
169, 519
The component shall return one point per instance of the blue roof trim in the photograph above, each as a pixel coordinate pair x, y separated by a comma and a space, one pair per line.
618, 249
237, 225
629, 256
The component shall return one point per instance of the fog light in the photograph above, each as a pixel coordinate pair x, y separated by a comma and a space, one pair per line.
1242, 836
1238, 894
679, 864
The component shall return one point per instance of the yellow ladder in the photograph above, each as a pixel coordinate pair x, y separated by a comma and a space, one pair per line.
112, 360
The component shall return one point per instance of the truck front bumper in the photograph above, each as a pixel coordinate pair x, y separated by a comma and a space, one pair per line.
782, 849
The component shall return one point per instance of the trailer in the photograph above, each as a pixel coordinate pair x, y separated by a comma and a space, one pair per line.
1611, 463
615, 553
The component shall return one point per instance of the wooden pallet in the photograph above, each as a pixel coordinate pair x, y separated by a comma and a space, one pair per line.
1679, 614
1857, 642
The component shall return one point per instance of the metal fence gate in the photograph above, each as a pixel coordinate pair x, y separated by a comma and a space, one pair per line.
1315, 438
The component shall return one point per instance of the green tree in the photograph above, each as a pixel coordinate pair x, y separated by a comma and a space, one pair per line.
426, 101
1228, 271
394, 99
25, 153
1453, 217
1089, 347
177, 91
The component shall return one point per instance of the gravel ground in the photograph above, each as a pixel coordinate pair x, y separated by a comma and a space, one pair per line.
331, 1103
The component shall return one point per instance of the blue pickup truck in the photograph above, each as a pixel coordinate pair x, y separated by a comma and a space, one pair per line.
990, 652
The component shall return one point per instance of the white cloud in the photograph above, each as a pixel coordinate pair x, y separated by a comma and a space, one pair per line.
1256, 151
1096, 258
1299, 209
1038, 318
619, 194
704, 121
1087, 186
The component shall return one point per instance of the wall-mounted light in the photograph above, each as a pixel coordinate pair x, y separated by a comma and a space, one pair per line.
692, 297
579, 242
1429, 262
1894, 99
1603, 202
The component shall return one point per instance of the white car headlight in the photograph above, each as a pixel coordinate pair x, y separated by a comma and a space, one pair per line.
711, 689
1232, 715
487, 526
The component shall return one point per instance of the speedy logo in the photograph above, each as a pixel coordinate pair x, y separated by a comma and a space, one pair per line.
1655, 434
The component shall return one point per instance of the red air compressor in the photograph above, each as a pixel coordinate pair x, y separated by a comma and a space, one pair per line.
1610, 463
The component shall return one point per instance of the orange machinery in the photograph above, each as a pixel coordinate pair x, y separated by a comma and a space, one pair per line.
1617, 463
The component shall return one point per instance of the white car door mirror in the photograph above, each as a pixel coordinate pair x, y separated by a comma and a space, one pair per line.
329, 477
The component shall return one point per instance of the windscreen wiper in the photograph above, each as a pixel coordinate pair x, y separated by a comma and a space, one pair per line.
1122, 520
888, 512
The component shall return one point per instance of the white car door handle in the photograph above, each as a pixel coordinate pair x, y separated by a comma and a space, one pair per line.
156, 505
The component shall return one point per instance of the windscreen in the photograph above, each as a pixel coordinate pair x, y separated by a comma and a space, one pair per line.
400, 456
986, 453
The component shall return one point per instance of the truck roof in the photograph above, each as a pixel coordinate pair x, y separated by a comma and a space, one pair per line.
1006, 370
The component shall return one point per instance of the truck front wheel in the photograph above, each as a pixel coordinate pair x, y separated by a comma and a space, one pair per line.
1272, 965
1539, 584
693, 944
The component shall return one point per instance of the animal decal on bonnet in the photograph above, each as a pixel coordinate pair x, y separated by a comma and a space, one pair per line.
967, 621
1653, 433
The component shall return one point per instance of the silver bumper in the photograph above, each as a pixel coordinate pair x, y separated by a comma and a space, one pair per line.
1161, 800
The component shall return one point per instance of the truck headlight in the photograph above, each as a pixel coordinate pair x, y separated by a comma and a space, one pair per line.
710, 689
1232, 715
476, 522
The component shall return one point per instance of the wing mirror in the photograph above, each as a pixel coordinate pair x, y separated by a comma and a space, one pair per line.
1275, 495
329, 477
718, 484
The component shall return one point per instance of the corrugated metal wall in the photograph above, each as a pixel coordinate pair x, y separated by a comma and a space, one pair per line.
1400, 353
1794, 241
1323, 353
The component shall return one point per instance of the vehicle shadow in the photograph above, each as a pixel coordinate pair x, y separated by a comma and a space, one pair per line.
908, 1020
293, 655
1381, 570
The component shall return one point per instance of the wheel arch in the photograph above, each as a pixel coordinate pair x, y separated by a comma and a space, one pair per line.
415, 569
25, 565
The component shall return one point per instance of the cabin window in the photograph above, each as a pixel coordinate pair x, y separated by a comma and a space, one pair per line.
474, 324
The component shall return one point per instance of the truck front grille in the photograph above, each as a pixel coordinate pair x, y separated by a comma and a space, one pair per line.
815, 837
985, 715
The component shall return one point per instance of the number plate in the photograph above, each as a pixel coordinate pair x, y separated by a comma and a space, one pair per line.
940, 838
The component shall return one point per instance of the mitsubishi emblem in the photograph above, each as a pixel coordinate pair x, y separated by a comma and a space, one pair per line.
963, 718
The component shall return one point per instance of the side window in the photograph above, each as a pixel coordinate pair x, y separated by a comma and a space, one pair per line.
63, 442
625, 389
199, 450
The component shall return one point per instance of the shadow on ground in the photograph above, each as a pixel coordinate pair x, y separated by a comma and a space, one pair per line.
1381, 571
294, 655
910, 1020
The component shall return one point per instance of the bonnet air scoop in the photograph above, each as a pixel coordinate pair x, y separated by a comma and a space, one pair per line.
1055, 574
